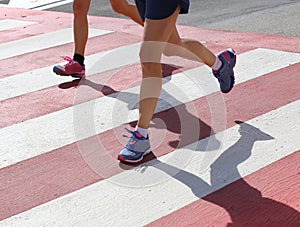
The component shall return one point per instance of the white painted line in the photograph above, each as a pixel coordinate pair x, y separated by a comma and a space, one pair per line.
247, 148
14, 86
10, 24
29, 4
264, 60
4, 6
43, 41
23, 140
48, 6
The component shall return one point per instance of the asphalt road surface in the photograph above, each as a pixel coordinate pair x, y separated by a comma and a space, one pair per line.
279, 17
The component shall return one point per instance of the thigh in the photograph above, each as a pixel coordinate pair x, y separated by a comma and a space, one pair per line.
118, 5
156, 36
160, 29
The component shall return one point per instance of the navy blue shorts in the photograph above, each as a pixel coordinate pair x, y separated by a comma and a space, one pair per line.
160, 9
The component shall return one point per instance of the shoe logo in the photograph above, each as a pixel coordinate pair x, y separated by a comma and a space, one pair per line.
227, 56
133, 142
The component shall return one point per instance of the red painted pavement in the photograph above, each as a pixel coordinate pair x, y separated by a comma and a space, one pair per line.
62, 171
43, 178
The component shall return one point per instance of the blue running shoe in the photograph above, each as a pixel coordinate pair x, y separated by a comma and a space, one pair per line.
137, 147
225, 74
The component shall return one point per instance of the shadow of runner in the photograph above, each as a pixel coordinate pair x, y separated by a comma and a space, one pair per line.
182, 119
167, 70
244, 203
104, 89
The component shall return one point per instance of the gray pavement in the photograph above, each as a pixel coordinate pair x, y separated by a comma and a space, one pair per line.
279, 17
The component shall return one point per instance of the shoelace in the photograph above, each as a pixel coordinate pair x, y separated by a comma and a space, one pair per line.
129, 131
69, 60
132, 141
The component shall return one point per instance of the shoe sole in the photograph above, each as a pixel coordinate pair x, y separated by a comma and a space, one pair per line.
57, 71
122, 159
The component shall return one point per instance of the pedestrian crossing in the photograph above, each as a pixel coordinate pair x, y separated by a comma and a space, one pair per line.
60, 137
43, 41
11, 24
163, 182
35, 4
101, 108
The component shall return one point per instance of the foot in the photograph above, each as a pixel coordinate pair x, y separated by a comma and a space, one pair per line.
72, 68
225, 74
137, 147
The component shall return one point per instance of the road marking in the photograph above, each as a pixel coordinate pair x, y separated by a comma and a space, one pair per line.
13, 86
26, 136
267, 197
29, 4
263, 135
93, 159
43, 41
10, 24
28, 184
55, 4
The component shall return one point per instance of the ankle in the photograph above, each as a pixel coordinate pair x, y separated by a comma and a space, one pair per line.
217, 65
142, 131
79, 58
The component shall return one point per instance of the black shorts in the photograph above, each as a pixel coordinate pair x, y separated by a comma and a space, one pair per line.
160, 9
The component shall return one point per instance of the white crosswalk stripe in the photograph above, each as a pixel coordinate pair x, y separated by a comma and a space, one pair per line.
43, 41
10, 24
29, 4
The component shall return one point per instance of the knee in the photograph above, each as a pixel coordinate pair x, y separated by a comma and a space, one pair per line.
150, 53
148, 62
119, 6
151, 69
168, 52
80, 8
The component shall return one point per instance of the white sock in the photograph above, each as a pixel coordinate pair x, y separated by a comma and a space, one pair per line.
217, 65
142, 131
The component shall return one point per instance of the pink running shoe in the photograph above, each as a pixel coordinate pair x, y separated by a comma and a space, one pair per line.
72, 68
